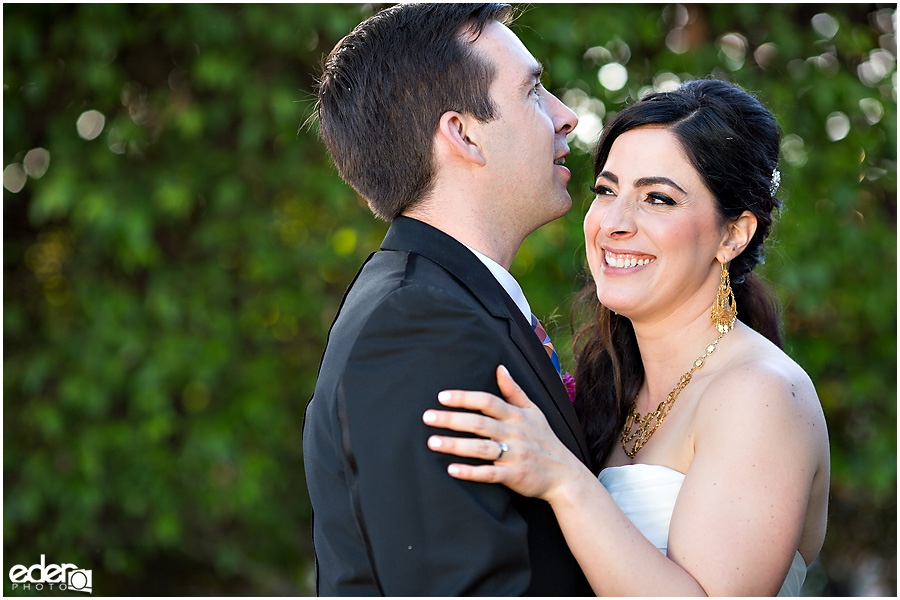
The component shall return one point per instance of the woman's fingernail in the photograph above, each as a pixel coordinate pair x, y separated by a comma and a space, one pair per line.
429, 416
505, 371
444, 397
453, 470
434, 442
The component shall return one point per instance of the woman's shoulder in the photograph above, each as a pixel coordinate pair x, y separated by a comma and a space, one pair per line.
759, 383
753, 359
761, 406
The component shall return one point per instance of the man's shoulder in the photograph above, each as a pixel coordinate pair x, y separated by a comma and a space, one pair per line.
390, 271
396, 290
402, 312
407, 264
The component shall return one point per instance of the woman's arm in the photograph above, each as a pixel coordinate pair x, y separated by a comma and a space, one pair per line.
760, 442
738, 517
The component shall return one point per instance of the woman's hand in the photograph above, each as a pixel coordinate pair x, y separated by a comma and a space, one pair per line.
528, 457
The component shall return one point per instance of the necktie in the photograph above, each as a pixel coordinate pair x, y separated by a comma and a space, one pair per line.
545, 340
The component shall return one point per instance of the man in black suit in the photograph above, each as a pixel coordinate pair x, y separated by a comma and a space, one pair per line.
436, 115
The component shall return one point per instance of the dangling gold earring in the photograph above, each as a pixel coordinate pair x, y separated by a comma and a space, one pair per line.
724, 311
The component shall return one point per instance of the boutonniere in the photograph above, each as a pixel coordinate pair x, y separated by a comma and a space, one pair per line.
569, 382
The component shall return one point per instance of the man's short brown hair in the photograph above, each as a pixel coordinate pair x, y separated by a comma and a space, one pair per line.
385, 86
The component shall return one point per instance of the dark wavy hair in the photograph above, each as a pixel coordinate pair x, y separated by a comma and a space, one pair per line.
733, 142
385, 86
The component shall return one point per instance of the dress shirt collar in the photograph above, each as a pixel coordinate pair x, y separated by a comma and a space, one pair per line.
507, 281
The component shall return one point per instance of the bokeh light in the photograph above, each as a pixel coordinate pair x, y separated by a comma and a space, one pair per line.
613, 76
90, 124
14, 177
36, 162
794, 150
733, 49
590, 111
825, 25
837, 126
872, 109
765, 54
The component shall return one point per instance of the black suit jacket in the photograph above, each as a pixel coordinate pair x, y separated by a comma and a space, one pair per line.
421, 316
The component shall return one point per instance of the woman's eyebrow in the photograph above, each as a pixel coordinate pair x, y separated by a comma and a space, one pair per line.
610, 176
656, 181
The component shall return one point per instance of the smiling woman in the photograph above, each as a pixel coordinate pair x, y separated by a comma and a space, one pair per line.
679, 229
684, 201
720, 145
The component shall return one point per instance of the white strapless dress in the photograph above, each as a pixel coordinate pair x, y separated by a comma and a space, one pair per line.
647, 494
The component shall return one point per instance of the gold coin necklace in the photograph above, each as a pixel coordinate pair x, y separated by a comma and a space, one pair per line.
647, 425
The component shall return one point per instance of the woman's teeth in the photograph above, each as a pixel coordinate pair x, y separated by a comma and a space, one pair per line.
625, 262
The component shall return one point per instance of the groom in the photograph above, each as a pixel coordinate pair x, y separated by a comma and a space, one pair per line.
436, 115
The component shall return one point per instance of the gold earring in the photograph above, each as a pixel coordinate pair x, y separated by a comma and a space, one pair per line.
724, 311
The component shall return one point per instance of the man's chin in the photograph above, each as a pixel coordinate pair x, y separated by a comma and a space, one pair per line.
560, 208
565, 205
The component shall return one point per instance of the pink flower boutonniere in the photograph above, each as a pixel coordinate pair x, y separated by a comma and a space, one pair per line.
569, 382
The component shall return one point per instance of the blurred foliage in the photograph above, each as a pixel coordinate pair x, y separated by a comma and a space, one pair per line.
174, 252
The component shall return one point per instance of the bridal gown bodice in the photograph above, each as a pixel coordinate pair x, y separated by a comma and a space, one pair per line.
647, 494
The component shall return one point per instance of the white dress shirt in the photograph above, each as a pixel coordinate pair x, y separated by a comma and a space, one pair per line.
509, 283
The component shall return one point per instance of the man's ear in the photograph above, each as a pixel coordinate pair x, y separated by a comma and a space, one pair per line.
738, 234
457, 131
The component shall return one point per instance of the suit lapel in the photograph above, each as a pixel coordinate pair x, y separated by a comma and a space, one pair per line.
524, 337
420, 238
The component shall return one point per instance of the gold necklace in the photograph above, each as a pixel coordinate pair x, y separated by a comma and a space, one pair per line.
647, 425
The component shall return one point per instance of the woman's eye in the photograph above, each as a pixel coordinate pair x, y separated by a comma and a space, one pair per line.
602, 190
658, 198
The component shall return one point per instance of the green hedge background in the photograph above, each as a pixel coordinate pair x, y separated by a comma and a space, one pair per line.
175, 250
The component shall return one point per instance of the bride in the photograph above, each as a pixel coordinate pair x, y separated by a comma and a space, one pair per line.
712, 440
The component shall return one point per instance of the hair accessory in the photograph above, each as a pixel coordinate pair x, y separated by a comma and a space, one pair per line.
724, 311
776, 181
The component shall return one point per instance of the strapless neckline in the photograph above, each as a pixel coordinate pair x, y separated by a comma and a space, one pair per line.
647, 494
642, 466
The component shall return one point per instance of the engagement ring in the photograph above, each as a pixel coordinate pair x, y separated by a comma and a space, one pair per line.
503, 448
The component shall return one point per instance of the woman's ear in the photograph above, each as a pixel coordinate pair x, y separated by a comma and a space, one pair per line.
458, 133
738, 234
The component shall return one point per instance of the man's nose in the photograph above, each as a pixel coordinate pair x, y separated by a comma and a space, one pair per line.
564, 118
